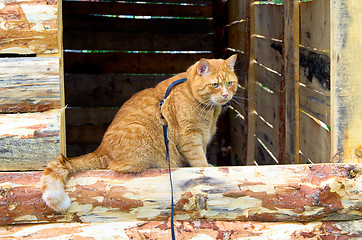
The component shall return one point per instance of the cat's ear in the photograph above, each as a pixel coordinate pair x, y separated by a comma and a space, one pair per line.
230, 62
203, 67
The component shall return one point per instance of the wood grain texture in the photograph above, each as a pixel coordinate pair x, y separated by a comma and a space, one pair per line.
29, 84
28, 27
203, 229
270, 193
346, 84
315, 24
29, 140
269, 20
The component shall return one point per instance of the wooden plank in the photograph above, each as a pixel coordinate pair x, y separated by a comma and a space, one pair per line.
86, 134
154, 25
315, 140
120, 62
186, 230
257, 193
269, 136
315, 24
238, 141
262, 155
290, 74
28, 27
315, 104
117, 88
269, 20
137, 9
346, 84
267, 105
236, 35
89, 115
127, 41
29, 84
29, 140
269, 79
236, 10
315, 69
250, 84
268, 53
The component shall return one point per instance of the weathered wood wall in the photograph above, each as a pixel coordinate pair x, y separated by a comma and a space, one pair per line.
115, 49
29, 84
286, 65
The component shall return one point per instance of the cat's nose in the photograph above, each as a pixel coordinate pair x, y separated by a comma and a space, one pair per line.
225, 95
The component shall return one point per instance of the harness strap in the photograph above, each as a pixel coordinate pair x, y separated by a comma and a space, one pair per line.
164, 127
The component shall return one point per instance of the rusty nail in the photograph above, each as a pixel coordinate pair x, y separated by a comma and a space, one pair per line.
352, 173
358, 153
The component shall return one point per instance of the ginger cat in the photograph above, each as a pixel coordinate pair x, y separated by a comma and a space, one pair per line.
134, 141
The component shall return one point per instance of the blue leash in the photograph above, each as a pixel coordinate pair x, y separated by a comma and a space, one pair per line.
164, 127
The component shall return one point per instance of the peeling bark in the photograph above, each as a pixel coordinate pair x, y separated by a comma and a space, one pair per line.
268, 193
220, 230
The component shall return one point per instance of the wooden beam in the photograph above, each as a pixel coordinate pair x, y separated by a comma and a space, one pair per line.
250, 83
290, 74
186, 230
346, 84
270, 193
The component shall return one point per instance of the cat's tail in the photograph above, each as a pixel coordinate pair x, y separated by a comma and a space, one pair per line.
56, 174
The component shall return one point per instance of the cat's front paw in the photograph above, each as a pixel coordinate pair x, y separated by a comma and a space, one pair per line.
57, 200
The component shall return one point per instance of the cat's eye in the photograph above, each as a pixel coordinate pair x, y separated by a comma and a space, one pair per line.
214, 85
229, 84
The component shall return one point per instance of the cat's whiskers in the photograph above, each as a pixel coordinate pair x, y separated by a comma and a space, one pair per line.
201, 103
207, 105
239, 106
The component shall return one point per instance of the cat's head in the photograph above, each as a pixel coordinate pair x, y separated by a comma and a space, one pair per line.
213, 81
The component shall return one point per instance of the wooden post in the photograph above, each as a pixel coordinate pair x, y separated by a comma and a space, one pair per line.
290, 84
63, 138
250, 83
346, 82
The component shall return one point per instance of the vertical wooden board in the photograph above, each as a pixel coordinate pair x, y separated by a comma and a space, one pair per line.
315, 71
346, 84
268, 53
28, 27
315, 140
290, 75
238, 141
315, 24
269, 20
236, 10
236, 34
267, 105
315, 104
268, 135
29, 140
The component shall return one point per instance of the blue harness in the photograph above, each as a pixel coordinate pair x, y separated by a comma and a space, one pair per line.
164, 127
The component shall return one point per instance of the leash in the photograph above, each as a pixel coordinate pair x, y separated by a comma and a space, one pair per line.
164, 127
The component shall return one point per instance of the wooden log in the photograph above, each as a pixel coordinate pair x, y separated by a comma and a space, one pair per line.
28, 27
29, 140
29, 84
270, 193
346, 84
186, 230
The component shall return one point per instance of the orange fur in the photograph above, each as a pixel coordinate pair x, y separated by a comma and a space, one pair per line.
134, 140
